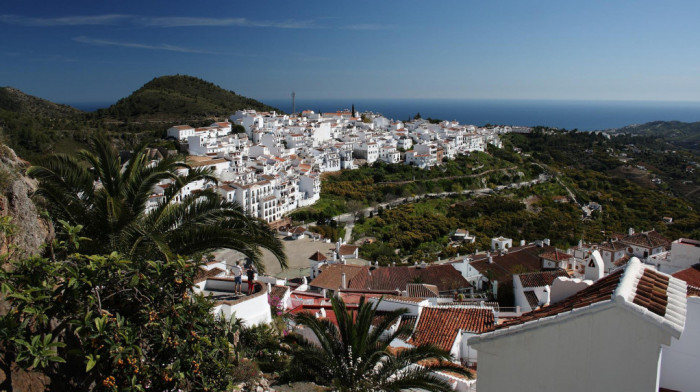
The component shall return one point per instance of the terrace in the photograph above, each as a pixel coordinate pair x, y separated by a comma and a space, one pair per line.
252, 309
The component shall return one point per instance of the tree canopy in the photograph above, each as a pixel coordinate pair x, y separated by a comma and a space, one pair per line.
353, 355
110, 199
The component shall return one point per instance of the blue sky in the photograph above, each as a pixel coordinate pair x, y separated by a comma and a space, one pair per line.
83, 51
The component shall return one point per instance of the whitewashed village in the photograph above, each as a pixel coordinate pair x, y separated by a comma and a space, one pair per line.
625, 313
274, 167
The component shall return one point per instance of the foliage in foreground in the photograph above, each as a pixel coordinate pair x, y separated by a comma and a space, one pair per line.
113, 212
107, 323
354, 355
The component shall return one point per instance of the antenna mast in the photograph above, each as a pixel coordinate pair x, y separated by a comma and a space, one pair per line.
294, 95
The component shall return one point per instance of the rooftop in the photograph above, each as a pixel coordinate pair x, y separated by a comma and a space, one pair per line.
556, 255
648, 239
541, 279
691, 275
422, 290
655, 296
440, 325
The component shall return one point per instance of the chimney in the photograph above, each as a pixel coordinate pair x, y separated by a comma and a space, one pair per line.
630, 231
580, 243
393, 264
343, 283
546, 241
522, 242
547, 295
490, 258
415, 263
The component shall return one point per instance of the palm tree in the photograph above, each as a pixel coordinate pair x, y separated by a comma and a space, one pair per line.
354, 355
109, 198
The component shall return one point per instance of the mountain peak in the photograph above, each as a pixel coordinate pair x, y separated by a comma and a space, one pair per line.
183, 98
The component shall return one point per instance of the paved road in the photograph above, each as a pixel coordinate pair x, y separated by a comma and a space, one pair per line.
349, 218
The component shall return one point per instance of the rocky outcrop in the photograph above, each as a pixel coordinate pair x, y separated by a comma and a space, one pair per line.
29, 230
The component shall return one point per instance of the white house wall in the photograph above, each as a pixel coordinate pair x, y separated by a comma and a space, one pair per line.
609, 350
679, 363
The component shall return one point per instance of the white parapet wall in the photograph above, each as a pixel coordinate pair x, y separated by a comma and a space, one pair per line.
251, 309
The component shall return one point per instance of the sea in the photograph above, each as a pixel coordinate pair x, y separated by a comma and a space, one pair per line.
567, 114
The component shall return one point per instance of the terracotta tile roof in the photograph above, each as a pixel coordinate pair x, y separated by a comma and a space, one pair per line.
278, 291
657, 296
541, 279
622, 261
351, 298
346, 250
444, 276
398, 298
331, 275
690, 275
440, 325
298, 230
422, 290
613, 246
649, 239
653, 294
693, 291
204, 274
602, 290
517, 259
556, 255
409, 321
532, 299
318, 256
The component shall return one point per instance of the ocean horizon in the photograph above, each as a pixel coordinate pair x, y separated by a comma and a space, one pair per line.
581, 115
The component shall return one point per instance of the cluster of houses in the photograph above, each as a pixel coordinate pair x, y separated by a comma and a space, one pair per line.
274, 166
619, 315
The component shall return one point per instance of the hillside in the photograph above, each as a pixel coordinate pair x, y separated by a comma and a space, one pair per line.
679, 133
14, 100
180, 97
34, 126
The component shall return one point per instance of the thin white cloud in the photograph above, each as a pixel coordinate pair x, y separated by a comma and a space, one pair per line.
368, 27
87, 20
178, 21
174, 21
166, 47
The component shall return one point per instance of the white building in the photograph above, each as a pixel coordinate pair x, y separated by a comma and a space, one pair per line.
684, 254
606, 337
679, 361
367, 151
180, 132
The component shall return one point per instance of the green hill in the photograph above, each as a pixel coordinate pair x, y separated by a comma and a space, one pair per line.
682, 134
33, 126
16, 101
180, 97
